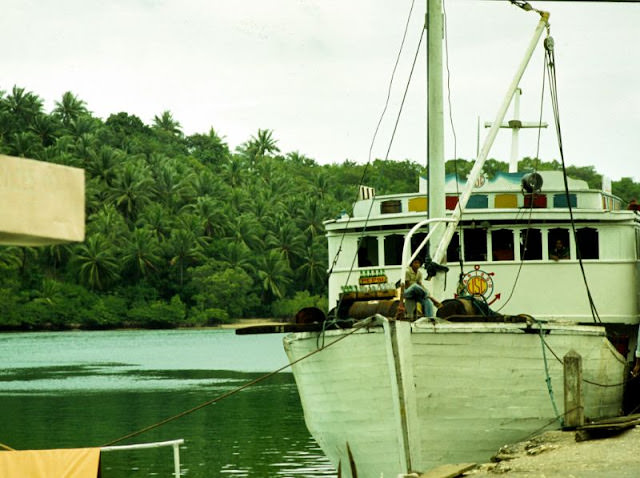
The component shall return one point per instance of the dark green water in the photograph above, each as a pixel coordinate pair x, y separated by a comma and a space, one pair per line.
77, 389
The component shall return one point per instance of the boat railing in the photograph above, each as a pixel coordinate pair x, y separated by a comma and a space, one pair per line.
141, 446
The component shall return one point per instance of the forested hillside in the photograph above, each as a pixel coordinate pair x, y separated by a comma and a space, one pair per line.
182, 230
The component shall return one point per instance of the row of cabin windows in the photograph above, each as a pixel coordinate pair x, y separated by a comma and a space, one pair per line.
482, 245
483, 201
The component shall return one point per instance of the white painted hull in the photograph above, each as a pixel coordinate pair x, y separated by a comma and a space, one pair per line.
465, 390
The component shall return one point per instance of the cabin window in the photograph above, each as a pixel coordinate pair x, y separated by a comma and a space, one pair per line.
451, 202
368, 252
558, 243
531, 244
560, 200
391, 206
502, 245
587, 243
478, 201
416, 240
393, 249
535, 201
505, 201
453, 251
475, 244
418, 204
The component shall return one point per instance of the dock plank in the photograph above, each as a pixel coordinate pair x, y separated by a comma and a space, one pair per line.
448, 471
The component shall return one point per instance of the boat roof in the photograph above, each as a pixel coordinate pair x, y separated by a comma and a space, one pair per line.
499, 197
552, 181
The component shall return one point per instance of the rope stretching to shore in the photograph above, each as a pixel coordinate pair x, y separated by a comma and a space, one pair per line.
361, 324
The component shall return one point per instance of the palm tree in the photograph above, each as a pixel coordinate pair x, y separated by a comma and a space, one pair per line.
170, 187
108, 222
27, 256
274, 275
95, 195
258, 146
205, 183
286, 238
23, 106
166, 123
313, 269
184, 250
311, 217
233, 172
208, 148
245, 229
84, 146
233, 254
321, 185
141, 253
131, 189
45, 128
266, 208
70, 108
83, 125
239, 200
192, 223
263, 143
157, 219
300, 159
280, 187
24, 144
56, 256
102, 163
50, 292
6, 124
213, 218
9, 257
96, 262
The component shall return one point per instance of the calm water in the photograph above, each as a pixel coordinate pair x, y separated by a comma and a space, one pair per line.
76, 389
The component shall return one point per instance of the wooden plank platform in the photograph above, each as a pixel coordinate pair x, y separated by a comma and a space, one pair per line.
289, 328
448, 471
606, 428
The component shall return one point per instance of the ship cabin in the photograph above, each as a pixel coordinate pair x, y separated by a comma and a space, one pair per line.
503, 248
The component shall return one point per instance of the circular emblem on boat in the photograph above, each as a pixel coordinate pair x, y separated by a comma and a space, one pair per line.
478, 282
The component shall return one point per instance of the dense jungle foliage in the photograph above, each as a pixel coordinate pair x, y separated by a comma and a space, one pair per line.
182, 230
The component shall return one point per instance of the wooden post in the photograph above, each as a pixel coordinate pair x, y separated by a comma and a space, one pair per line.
573, 401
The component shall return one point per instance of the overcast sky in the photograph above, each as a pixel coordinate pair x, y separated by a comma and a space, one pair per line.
316, 71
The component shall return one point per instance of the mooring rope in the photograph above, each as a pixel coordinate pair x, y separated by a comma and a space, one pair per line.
590, 382
548, 378
360, 325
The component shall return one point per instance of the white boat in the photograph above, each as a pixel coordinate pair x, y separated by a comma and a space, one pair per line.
389, 397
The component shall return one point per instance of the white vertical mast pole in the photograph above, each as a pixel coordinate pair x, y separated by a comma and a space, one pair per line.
435, 130
515, 125
435, 114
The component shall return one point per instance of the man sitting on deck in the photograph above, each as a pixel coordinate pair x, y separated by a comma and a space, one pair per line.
415, 289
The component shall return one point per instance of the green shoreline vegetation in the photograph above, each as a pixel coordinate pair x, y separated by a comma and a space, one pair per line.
182, 231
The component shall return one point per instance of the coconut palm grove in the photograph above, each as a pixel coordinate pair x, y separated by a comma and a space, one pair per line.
184, 231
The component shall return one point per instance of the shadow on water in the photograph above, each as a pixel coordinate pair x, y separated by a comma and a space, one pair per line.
257, 432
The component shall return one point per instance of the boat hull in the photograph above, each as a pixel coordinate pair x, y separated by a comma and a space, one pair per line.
402, 397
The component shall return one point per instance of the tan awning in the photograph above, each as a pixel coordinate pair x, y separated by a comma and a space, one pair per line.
63, 463
40, 203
